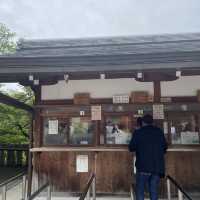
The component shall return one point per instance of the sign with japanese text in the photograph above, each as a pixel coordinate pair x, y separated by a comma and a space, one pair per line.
96, 112
158, 111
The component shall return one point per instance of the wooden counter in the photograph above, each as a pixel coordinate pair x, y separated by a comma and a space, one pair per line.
104, 149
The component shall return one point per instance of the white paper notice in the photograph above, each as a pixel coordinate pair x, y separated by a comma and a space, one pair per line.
173, 130
189, 137
158, 111
96, 112
165, 127
53, 127
82, 163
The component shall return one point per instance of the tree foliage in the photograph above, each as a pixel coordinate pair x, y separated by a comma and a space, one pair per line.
15, 123
7, 40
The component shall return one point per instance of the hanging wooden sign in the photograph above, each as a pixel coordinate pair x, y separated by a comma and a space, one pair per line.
158, 111
96, 112
121, 98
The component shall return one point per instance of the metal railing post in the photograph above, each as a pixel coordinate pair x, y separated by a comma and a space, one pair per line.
4, 192
180, 195
24, 187
168, 190
94, 189
88, 194
49, 192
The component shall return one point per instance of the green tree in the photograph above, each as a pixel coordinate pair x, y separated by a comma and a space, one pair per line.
7, 40
15, 123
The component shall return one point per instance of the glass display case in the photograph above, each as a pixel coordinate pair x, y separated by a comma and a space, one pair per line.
118, 129
55, 131
184, 128
81, 131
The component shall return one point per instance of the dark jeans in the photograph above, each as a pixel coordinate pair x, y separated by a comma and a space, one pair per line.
149, 180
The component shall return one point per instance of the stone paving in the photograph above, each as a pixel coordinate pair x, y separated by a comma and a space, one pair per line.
13, 193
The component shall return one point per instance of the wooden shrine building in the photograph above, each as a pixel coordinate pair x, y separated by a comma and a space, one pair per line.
89, 93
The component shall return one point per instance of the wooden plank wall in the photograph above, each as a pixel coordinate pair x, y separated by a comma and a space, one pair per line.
114, 170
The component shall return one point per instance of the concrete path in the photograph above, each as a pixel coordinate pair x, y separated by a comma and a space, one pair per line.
13, 193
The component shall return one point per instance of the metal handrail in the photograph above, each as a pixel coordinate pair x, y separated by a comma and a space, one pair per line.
39, 191
132, 191
13, 179
87, 187
178, 187
10, 180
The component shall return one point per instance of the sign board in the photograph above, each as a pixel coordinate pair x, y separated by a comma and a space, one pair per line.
53, 127
165, 127
124, 98
189, 137
158, 111
166, 99
96, 112
82, 163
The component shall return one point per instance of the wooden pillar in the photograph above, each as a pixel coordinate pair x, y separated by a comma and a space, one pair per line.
157, 91
30, 157
157, 97
37, 92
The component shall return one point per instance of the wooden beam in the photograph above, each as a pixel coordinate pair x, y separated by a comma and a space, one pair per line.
157, 91
14, 102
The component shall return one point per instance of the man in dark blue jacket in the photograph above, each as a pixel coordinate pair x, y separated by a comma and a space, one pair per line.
150, 146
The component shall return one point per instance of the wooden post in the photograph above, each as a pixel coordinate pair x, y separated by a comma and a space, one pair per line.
37, 92
157, 97
157, 91
30, 167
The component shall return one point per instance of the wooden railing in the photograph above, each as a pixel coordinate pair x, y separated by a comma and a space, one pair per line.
13, 155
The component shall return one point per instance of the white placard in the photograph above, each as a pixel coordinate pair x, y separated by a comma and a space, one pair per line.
173, 130
189, 137
82, 163
96, 112
158, 111
53, 127
124, 98
165, 127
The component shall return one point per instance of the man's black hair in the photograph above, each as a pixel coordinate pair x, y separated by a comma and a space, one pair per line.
139, 121
147, 119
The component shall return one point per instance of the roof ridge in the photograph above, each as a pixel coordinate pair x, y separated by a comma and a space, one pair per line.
116, 40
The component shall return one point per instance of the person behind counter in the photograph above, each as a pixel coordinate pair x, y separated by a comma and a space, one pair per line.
138, 123
150, 146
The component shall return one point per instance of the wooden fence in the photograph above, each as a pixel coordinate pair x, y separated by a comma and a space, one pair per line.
14, 155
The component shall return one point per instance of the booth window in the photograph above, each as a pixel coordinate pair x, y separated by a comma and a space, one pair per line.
184, 129
55, 131
81, 131
118, 130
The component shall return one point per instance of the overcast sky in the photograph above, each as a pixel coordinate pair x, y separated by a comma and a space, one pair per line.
88, 18
91, 18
